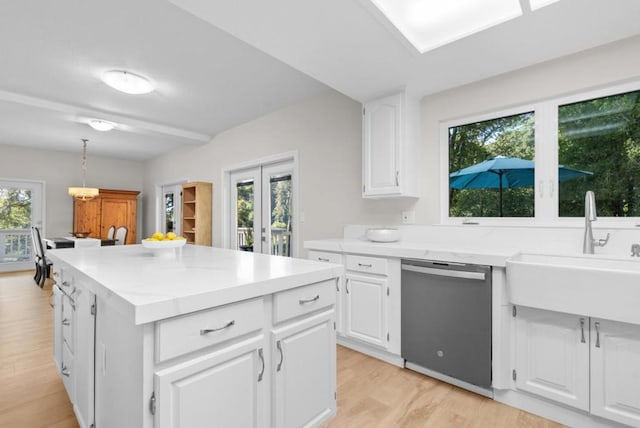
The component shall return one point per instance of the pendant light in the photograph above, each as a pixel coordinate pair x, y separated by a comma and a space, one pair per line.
84, 193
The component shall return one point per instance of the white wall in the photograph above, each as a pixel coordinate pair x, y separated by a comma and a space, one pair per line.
606, 65
326, 132
59, 171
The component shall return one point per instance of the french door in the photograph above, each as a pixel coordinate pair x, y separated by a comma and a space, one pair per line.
261, 208
171, 203
21, 206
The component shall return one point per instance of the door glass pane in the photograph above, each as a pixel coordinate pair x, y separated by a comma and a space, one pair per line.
280, 195
491, 169
15, 224
169, 212
244, 214
601, 139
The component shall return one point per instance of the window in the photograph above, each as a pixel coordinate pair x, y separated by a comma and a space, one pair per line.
601, 135
537, 162
487, 177
20, 208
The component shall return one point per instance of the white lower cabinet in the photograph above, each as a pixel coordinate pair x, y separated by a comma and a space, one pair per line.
552, 356
304, 353
367, 303
329, 257
225, 387
615, 371
587, 363
74, 342
57, 327
366, 309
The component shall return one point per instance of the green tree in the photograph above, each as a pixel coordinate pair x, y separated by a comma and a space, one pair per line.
15, 208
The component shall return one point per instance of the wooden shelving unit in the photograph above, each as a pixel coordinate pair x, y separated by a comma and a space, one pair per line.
196, 212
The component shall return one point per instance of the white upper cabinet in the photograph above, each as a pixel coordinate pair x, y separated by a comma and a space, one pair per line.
390, 140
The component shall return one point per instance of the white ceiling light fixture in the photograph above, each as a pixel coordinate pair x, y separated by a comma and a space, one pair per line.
84, 193
428, 24
128, 82
537, 4
101, 125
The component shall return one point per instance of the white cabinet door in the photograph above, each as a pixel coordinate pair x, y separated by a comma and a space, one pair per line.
382, 135
615, 371
57, 327
366, 309
304, 372
224, 388
552, 356
84, 356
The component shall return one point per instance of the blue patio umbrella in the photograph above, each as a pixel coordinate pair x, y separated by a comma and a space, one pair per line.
504, 173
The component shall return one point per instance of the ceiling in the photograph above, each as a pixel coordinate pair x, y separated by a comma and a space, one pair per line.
213, 77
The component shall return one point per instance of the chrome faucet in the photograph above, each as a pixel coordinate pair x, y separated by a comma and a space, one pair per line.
589, 217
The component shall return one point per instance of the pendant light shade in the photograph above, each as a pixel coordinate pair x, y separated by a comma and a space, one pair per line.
84, 193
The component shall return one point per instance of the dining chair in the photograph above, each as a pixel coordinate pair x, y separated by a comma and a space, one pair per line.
43, 265
121, 235
111, 232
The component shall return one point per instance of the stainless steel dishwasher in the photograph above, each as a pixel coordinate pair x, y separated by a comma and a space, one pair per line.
446, 322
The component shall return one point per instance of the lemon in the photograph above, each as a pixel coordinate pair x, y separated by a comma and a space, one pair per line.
158, 236
171, 236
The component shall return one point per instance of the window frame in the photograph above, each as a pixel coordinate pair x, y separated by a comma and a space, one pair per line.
546, 159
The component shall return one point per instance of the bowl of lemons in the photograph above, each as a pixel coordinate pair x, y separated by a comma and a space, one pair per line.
160, 243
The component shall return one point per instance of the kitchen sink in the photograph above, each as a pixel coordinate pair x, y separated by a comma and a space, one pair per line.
590, 285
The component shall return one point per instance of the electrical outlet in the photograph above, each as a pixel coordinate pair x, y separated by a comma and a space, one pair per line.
408, 217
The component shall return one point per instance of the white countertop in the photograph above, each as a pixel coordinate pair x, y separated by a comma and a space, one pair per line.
452, 252
147, 288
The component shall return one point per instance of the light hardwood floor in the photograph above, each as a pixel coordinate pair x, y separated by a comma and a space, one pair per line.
370, 393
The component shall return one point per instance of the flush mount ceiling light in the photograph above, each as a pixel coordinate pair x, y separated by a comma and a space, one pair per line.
428, 24
101, 125
84, 193
127, 82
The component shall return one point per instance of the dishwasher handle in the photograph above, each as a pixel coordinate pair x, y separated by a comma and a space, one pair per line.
446, 272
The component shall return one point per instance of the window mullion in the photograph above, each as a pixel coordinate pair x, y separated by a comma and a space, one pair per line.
546, 160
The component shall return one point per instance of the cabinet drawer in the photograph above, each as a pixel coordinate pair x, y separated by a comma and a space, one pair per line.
366, 264
188, 333
67, 321
299, 301
323, 256
67, 372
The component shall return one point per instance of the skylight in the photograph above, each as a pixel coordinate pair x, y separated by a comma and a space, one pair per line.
428, 24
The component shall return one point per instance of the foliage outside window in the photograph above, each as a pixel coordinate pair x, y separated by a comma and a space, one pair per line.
15, 209
601, 135
470, 144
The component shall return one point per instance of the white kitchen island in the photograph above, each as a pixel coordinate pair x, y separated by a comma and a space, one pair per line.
196, 337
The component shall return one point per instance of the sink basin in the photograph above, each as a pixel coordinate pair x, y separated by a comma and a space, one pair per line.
586, 285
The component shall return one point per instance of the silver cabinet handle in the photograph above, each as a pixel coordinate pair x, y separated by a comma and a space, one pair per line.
309, 300
365, 265
347, 286
279, 346
322, 259
597, 325
66, 321
65, 370
262, 361
397, 178
582, 340
211, 330
338, 285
